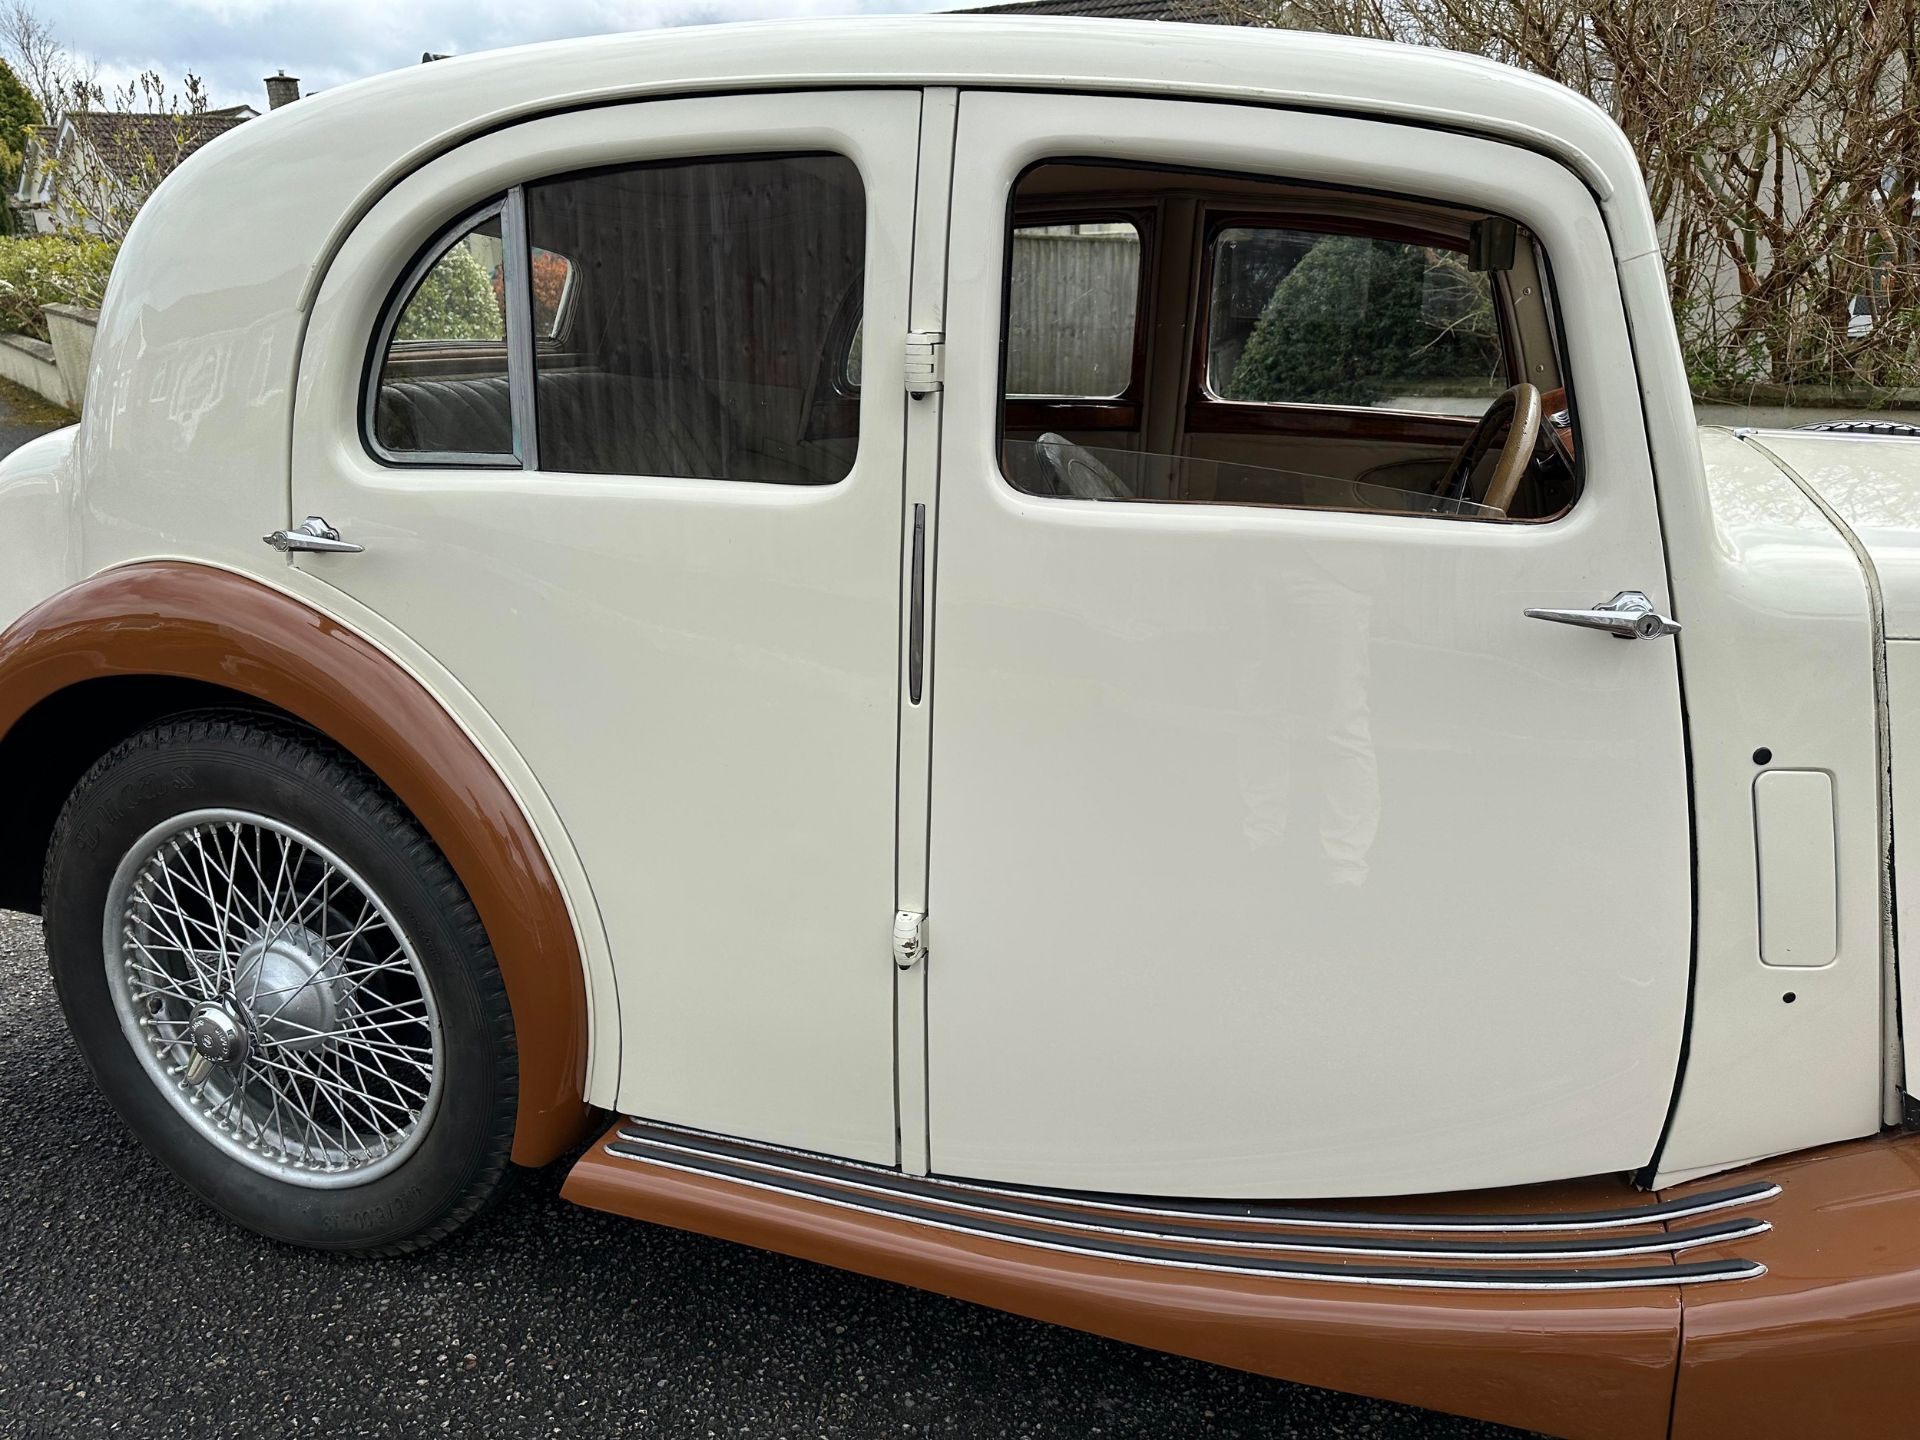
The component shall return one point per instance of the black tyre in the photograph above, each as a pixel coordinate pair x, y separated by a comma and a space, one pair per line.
280, 985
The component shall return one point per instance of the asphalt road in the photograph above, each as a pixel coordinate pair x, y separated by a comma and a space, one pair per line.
127, 1308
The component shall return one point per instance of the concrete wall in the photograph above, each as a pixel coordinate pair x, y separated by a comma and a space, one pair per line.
30, 363
72, 331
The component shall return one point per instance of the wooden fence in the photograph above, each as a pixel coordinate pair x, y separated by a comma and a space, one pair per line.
1071, 313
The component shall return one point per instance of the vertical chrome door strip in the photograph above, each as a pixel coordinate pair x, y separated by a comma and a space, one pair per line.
917, 607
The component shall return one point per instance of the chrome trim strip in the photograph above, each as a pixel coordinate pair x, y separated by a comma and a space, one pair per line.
1552, 1281
1279, 1217
396, 302
518, 257
1659, 1243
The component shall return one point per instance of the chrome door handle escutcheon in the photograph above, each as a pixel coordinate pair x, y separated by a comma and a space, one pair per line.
1627, 616
313, 533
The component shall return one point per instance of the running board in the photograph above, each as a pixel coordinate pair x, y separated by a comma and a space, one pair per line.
1463, 1252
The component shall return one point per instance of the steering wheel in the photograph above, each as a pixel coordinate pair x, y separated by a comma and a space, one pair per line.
1514, 413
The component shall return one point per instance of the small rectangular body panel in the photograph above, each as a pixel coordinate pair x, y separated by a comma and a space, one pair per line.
1799, 886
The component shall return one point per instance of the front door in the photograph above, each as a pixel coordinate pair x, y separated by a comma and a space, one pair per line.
654, 534
1272, 850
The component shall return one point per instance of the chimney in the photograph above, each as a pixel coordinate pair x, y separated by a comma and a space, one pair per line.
282, 89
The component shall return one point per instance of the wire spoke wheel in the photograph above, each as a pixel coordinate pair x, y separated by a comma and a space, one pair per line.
271, 995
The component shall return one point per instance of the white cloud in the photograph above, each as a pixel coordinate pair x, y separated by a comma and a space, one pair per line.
231, 44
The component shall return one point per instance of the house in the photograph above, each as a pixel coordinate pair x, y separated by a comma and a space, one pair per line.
82, 173
92, 169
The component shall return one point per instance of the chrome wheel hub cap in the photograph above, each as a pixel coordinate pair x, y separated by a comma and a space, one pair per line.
273, 998
218, 1038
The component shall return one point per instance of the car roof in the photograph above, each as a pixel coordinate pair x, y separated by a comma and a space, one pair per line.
406, 116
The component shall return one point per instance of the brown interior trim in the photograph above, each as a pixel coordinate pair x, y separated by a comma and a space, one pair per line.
1594, 1364
1115, 415
1327, 422
188, 621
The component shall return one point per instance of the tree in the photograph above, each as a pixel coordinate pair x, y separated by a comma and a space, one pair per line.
19, 112
124, 145
1780, 140
40, 58
455, 301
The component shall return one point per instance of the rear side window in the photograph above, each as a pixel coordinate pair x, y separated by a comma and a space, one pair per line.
704, 294
442, 390
662, 319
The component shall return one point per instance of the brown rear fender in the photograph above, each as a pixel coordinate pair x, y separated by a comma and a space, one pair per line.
204, 632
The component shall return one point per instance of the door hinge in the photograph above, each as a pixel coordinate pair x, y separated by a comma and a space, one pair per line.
909, 938
926, 361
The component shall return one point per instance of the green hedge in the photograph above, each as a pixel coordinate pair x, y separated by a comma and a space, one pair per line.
1346, 327
38, 270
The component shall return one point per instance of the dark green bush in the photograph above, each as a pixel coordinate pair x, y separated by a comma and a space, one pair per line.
1353, 323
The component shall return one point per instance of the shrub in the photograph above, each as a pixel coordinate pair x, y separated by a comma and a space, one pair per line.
38, 270
455, 302
1347, 327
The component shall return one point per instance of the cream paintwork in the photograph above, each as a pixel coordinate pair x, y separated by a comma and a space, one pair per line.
1903, 707
1872, 485
701, 672
1794, 841
185, 449
1777, 651
1284, 827
185, 452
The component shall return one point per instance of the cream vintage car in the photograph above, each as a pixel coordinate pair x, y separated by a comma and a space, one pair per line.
1095, 667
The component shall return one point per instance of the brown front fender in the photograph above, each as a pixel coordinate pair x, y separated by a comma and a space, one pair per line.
178, 621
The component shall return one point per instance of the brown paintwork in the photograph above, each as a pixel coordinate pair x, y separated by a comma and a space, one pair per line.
1585, 1365
193, 622
1820, 1345
1823, 1344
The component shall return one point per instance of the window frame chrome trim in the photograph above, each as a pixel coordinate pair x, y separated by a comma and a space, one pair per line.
382, 340
518, 279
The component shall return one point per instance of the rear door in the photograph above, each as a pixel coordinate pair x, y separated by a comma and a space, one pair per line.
656, 536
1273, 851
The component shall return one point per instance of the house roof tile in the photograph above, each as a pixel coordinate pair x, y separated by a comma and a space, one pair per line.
124, 142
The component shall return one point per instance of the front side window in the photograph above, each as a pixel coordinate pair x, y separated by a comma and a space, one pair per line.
1304, 318
1310, 347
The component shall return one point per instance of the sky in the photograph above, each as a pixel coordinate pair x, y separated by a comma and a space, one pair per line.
232, 44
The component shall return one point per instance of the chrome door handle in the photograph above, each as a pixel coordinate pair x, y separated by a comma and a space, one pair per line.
1627, 616
312, 534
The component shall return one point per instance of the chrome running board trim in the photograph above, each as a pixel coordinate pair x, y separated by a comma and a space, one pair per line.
1238, 1211
1227, 1252
1225, 1237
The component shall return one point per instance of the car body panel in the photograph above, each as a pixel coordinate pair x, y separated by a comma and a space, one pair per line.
194, 622
1778, 653
202, 331
1278, 823
702, 673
